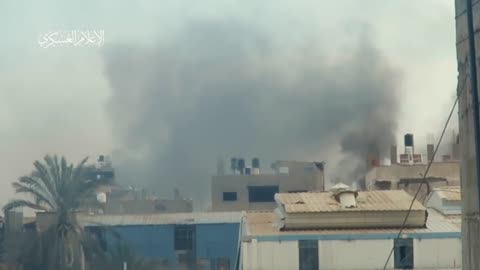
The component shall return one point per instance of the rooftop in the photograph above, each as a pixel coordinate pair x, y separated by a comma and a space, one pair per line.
318, 202
450, 193
264, 224
160, 219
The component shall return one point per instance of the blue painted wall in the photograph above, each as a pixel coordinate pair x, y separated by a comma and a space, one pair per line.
212, 241
217, 241
148, 241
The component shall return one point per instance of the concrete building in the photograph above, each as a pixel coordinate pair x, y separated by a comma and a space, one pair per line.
133, 201
408, 173
200, 241
409, 177
246, 189
270, 244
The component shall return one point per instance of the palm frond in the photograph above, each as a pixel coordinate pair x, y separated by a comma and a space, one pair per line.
53, 168
37, 184
36, 193
43, 174
23, 203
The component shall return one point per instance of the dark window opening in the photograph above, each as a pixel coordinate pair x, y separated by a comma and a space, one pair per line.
184, 237
229, 196
403, 253
308, 254
297, 191
262, 193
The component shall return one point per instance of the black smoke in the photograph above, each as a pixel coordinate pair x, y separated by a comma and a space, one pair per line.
229, 89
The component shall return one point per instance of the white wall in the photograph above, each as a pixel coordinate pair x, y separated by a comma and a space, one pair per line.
351, 255
354, 254
437, 253
270, 255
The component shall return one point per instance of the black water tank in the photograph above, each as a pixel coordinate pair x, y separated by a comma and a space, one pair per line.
233, 164
408, 140
241, 165
255, 163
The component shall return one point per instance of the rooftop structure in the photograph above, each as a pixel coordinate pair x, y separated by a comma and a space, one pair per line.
254, 190
348, 209
161, 219
446, 200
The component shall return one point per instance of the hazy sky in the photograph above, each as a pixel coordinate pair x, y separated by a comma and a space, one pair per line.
55, 100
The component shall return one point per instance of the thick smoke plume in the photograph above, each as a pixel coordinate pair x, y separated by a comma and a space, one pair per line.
230, 90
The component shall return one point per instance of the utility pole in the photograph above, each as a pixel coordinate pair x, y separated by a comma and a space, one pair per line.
468, 114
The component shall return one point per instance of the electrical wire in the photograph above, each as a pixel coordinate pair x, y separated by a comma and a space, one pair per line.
459, 92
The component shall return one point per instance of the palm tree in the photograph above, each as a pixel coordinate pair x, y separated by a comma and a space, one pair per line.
58, 188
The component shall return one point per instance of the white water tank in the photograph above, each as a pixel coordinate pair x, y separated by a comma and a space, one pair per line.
102, 197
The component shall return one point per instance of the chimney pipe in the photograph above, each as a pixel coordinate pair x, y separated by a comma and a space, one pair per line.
430, 152
393, 154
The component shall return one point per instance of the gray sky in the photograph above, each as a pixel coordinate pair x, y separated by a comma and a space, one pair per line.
56, 100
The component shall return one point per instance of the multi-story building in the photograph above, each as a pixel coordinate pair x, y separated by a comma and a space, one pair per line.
250, 189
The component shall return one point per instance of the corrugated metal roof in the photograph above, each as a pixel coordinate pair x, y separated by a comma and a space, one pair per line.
309, 202
451, 193
265, 224
158, 219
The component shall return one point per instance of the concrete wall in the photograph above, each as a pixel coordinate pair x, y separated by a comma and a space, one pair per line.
118, 206
437, 253
441, 253
270, 255
302, 176
354, 254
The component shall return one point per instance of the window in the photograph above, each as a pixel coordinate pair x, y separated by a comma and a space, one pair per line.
262, 193
403, 253
229, 196
308, 254
184, 237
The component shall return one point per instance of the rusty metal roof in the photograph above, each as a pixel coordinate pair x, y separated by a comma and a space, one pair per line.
310, 202
159, 219
451, 193
265, 224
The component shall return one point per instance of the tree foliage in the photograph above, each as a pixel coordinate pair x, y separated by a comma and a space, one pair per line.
58, 188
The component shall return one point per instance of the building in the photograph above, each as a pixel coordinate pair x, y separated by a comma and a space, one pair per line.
119, 200
331, 231
207, 241
250, 189
446, 200
408, 173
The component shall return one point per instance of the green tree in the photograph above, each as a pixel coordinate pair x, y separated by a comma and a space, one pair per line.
61, 189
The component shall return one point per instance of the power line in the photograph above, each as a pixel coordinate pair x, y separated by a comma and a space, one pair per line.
427, 169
